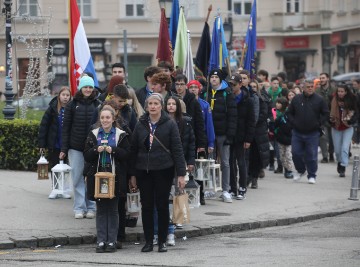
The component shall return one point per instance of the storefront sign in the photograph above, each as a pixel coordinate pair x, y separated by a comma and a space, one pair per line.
238, 43
96, 46
335, 38
296, 42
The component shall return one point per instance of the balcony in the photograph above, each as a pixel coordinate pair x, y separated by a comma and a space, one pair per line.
304, 21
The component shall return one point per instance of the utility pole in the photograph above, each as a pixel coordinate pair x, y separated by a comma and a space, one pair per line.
9, 110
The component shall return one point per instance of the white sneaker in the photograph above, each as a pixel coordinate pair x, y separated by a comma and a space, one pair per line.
170, 240
226, 197
312, 180
298, 176
52, 195
155, 240
90, 215
64, 195
79, 215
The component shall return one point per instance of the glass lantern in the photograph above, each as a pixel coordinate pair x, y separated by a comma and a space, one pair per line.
61, 180
215, 174
43, 168
192, 188
133, 202
202, 169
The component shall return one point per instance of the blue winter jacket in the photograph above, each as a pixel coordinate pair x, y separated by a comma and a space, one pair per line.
209, 125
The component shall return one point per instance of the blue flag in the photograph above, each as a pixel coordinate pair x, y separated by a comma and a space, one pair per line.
250, 44
174, 21
219, 52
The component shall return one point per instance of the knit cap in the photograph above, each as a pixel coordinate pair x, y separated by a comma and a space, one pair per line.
217, 72
194, 82
86, 81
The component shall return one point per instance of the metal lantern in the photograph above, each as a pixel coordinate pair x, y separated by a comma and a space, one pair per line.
61, 180
43, 167
202, 169
133, 202
192, 188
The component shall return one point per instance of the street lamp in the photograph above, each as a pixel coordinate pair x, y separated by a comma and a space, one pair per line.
167, 5
228, 31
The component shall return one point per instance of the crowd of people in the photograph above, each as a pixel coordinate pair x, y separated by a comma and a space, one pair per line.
151, 137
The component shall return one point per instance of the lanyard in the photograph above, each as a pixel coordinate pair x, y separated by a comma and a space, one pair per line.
103, 154
152, 132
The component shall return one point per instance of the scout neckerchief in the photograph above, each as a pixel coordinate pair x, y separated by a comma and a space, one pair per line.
104, 141
152, 132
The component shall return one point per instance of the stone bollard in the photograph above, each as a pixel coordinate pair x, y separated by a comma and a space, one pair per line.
354, 180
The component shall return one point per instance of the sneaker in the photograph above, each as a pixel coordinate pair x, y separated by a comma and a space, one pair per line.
312, 180
100, 248
179, 226
67, 196
324, 160
298, 176
90, 215
155, 240
110, 247
79, 215
52, 195
170, 240
242, 194
226, 197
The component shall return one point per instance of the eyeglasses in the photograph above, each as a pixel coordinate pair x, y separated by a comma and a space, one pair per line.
179, 84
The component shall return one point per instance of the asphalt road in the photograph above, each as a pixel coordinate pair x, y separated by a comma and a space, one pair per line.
332, 241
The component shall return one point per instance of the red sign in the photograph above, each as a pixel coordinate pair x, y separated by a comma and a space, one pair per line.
296, 42
335, 38
238, 44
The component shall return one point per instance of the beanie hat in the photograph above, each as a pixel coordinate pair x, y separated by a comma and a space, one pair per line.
115, 80
217, 72
86, 81
194, 82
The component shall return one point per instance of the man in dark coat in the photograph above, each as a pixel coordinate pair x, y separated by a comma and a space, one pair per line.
145, 91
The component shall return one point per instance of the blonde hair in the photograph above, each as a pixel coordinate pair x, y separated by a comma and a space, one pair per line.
135, 103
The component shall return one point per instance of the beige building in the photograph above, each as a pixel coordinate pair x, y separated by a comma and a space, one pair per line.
295, 36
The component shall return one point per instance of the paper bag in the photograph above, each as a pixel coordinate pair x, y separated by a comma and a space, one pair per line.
181, 212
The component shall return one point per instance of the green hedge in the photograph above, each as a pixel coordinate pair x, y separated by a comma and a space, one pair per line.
18, 144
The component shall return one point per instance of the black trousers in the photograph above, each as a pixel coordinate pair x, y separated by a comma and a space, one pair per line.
241, 156
155, 188
122, 219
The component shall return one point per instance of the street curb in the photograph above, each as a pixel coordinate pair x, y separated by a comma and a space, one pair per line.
188, 232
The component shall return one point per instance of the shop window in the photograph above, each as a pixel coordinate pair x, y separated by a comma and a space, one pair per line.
28, 7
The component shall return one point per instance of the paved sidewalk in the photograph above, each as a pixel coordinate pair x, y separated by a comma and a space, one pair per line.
29, 219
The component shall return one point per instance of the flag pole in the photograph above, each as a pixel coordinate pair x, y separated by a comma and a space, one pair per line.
208, 14
207, 78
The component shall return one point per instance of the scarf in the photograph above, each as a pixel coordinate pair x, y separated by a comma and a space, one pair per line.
338, 114
274, 95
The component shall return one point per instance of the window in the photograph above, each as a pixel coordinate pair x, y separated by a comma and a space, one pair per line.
355, 4
341, 6
134, 8
85, 8
28, 7
242, 7
293, 6
327, 4
191, 8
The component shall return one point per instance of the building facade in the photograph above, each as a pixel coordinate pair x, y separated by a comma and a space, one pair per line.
296, 36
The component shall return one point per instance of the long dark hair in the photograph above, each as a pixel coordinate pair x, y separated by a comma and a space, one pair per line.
349, 98
178, 113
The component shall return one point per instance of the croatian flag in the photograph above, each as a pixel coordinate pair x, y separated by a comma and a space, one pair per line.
79, 53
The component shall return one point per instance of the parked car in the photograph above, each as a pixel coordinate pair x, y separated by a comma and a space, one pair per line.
35, 103
346, 77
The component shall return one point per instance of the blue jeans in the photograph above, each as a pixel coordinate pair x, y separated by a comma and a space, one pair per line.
224, 152
342, 140
81, 202
305, 152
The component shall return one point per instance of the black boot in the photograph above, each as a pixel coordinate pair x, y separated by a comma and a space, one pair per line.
254, 183
279, 169
342, 171
338, 167
162, 247
148, 247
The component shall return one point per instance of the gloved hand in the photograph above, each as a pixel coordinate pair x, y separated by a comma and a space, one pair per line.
228, 141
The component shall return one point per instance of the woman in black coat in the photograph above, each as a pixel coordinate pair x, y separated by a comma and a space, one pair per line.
156, 153
105, 147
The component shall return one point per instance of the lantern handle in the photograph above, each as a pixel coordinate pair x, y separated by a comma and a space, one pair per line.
42, 151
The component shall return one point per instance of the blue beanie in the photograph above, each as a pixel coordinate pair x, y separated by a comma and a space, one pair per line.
86, 81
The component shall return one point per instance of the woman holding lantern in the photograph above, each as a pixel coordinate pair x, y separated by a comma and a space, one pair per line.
106, 150
156, 152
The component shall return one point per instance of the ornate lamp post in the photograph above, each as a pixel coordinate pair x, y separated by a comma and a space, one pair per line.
9, 110
167, 5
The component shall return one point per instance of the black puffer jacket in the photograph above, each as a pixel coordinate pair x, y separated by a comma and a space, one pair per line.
283, 130
48, 130
120, 154
193, 109
157, 158
224, 112
188, 140
245, 127
261, 131
77, 121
